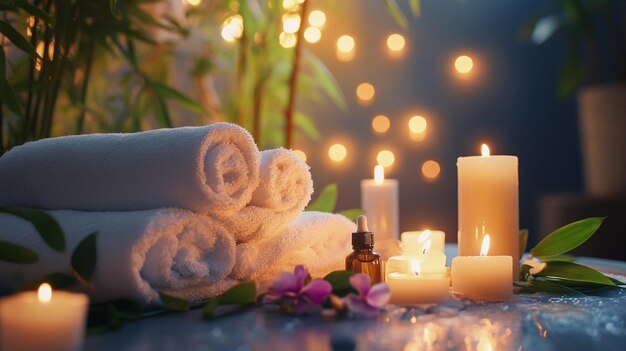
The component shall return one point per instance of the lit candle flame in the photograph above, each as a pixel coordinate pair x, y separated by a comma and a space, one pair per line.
379, 174
484, 344
44, 293
415, 266
484, 249
484, 150
426, 247
424, 236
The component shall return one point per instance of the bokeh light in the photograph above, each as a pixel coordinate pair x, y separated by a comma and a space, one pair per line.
464, 64
417, 124
193, 2
345, 43
301, 154
337, 152
431, 169
287, 40
396, 42
312, 34
290, 5
291, 23
385, 158
317, 18
365, 92
381, 124
232, 28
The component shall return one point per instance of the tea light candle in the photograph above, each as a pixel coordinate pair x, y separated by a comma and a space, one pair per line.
488, 203
483, 278
379, 200
43, 320
414, 241
411, 288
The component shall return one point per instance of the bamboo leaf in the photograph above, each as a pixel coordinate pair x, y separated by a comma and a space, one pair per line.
47, 227
13, 253
305, 123
169, 92
396, 13
244, 293
352, 213
416, 7
161, 113
173, 303
34, 10
567, 237
523, 241
85, 256
18, 39
7, 94
573, 274
326, 80
559, 258
545, 286
326, 200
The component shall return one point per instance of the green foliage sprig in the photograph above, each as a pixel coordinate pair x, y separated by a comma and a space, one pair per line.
327, 200
548, 269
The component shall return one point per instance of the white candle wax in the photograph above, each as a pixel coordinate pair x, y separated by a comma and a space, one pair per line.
29, 324
379, 200
414, 241
483, 278
409, 289
488, 204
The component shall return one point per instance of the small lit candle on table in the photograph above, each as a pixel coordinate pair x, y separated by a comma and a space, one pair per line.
417, 277
43, 320
488, 203
379, 200
482, 278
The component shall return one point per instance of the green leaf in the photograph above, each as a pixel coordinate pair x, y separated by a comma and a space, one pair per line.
102, 317
169, 92
128, 309
161, 113
85, 256
340, 281
561, 258
573, 70
326, 80
545, 286
18, 39
416, 7
112, 6
47, 227
567, 238
396, 13
173, 303
34, 10
523, 241
524, 271
56, 280
13, 253
7, 94
209, 308
352, 213
305, 123
244, 293
326, 201
573, 274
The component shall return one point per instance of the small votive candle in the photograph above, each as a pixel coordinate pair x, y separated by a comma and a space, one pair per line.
43, 320
416, 288
482, 278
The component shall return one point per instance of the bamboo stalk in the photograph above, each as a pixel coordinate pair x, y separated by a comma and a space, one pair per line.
242, 64
293, 80
83, 96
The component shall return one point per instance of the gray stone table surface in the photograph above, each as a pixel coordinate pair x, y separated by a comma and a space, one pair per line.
528, 322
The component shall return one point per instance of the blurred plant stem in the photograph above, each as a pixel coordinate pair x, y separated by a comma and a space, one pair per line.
293, 80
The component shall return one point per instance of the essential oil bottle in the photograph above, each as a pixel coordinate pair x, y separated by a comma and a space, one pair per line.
363, 259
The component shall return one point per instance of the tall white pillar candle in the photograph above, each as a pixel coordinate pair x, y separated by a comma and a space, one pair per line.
379, 200
488, 204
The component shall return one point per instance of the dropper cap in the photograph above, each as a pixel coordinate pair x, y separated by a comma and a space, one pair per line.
363, 237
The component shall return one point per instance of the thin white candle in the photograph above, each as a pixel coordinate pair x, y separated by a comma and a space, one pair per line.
379, 200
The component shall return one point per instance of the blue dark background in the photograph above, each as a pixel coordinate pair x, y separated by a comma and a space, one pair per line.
510, 102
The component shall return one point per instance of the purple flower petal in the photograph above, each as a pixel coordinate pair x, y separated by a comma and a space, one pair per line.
301, 274
285, 282
361, 283
358, 306
379, 295
317, 291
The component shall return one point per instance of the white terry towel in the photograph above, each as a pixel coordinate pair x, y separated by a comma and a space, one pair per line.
283, 193
320, 241
138, 253
212, 168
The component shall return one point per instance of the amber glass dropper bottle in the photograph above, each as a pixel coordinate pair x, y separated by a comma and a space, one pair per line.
363, 259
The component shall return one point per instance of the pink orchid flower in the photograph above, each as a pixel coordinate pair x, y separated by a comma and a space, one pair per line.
296, 292
371, 299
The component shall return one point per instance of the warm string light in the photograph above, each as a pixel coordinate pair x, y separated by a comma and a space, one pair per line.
385, 158
317, 18
464, 64
395, 44
232, 28
312, 35
381, 124
431, 169
287, 40
417, 124
345, 48
337, 152
365, 92
291, 23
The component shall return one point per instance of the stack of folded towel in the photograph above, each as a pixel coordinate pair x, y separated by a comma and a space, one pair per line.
185, 211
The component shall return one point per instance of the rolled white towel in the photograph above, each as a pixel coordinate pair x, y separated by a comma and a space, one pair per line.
138, 253
213, 168
320, 241
283, 193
